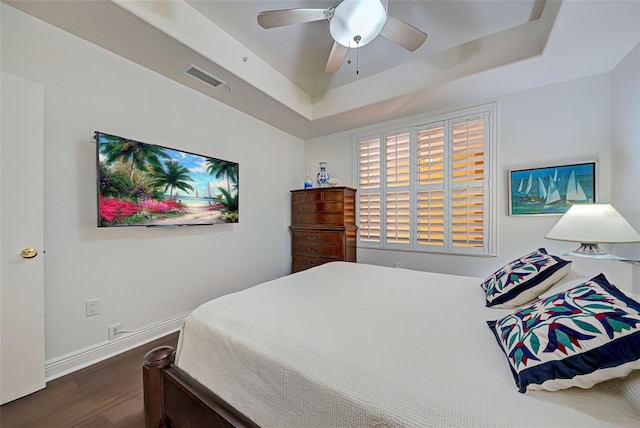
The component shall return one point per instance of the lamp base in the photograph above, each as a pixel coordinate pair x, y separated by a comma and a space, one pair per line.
593, 251
590, 250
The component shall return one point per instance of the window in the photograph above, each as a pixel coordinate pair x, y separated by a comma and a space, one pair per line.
427, 187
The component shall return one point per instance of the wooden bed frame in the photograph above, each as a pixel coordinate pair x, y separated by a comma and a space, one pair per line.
173, 399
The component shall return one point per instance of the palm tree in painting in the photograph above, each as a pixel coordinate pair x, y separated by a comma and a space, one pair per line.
171, 176
234, 178
230, 203
138, 154
220, 168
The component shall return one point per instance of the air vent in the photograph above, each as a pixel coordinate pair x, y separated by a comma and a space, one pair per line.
204, 76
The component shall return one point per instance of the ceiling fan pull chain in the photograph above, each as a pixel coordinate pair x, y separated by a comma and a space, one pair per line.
357, 40
349, 60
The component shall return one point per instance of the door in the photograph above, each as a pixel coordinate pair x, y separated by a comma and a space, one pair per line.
21, 228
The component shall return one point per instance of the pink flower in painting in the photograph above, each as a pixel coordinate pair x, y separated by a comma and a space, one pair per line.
154, 206
116, 209
162, 207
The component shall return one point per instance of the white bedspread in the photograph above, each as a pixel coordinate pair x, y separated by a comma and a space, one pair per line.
356, 345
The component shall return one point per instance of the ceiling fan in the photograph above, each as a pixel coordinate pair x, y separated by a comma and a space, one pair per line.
352, 23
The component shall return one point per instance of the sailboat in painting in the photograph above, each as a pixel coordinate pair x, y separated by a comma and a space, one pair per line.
527, 192
575, 192
553, 194
542, 189
207, 191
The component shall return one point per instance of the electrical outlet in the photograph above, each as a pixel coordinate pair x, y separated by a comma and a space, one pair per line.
114, 330
92, 307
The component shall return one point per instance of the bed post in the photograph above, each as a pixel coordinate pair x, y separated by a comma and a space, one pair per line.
155, 362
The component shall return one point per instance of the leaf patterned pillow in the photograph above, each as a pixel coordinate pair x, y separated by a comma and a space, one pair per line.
580, 337
524, 279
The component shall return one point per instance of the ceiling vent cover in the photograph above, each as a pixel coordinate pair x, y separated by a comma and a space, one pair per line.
204, 76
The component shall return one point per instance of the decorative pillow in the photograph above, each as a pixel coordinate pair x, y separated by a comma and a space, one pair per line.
572, 279
524, 279
568, 281
583, 336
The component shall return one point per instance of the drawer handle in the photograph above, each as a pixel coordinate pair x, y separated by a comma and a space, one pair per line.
328, 218
301, 208
312, 237
313, 250
315, 196
326, 206
311, 262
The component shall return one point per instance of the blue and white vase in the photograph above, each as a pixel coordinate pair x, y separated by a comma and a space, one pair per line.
323, 176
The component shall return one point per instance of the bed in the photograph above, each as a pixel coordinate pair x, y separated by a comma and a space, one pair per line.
346, 344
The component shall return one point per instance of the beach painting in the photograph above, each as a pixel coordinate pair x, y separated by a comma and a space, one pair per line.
142, 184
551, 190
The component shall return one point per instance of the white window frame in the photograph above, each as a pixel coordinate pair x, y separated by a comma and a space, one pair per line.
489, 182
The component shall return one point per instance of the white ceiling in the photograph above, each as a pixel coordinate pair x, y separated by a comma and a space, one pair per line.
300, 51
476, 50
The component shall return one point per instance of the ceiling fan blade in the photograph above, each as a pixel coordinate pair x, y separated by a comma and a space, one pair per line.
278, 18
335, 58
407, 36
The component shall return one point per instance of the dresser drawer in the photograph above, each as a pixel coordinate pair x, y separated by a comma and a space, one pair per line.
325, 238
335, 207
313, 250
313, 195
331, 195
318, 219
318, 207
304, 262
299, 196
326, 195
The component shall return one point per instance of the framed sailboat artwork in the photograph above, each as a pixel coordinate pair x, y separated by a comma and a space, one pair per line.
551, 190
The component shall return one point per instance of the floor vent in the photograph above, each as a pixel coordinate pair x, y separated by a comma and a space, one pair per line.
204, 76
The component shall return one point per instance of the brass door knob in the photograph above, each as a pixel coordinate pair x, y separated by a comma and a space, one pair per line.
28, 253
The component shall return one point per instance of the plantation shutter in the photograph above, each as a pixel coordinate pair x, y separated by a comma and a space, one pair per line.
398, 201
468, 184
427, 187
398, 154
370, 217
430, 214
369, 156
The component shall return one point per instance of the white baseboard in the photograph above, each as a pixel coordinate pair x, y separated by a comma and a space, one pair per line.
82, 358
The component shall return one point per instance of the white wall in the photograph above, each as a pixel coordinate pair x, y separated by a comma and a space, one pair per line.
561, 123
625, 145
625, 150
142, 275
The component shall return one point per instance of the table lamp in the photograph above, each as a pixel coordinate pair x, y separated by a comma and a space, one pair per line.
590, 225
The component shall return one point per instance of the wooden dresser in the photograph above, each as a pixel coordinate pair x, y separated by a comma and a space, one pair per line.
323, 226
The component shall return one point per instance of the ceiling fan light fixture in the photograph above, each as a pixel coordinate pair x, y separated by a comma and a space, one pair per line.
352, 18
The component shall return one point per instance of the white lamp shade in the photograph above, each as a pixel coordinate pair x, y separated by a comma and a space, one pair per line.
593, 223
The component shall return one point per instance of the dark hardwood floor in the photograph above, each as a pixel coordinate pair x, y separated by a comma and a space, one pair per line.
106, 394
